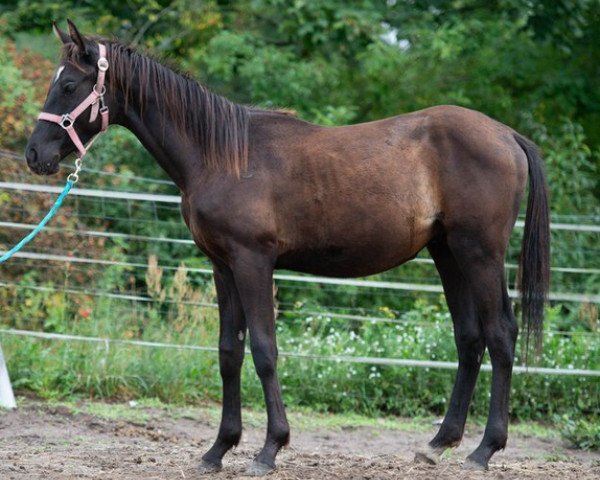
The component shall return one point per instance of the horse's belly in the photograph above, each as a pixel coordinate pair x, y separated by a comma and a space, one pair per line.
347, 259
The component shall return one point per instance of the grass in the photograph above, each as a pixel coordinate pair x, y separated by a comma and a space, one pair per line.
145, 410
546, 430
303, 419
149, 409
557, 456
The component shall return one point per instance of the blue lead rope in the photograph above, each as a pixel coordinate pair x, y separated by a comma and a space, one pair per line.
43, 223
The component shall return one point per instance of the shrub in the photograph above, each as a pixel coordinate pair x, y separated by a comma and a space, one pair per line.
582, 433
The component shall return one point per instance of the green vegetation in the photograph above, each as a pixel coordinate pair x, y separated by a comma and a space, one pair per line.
148, 409
582, 433
532, 65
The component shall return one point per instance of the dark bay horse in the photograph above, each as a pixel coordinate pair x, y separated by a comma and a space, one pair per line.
263, 190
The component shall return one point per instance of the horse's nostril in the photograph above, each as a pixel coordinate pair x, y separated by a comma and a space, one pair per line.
31, 155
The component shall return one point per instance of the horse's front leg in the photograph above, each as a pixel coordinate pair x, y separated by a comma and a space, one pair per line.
231, 355
254, 280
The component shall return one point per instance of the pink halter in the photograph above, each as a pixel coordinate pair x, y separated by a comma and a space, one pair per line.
95, 99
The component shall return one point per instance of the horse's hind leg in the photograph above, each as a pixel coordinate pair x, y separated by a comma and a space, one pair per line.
231, 355
470, 344
479, 252
500, 331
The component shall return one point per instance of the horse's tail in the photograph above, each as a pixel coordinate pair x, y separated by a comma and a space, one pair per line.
534, 264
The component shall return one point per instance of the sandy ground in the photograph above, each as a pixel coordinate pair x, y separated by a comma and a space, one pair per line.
42, 442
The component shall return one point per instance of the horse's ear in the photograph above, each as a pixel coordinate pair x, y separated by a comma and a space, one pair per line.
76, 37
62, 36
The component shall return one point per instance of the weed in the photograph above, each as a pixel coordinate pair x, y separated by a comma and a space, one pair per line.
582, 433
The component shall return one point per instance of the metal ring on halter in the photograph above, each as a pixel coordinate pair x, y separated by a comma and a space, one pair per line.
100, 94
66, 118
102, 64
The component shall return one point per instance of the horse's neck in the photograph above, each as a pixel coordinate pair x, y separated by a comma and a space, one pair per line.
171, 149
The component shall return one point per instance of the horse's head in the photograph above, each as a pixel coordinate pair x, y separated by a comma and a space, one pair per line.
70, 91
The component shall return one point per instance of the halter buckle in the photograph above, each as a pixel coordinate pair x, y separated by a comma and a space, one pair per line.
66, 121
102, 64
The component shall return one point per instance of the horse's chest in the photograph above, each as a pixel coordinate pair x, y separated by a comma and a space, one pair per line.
204, 234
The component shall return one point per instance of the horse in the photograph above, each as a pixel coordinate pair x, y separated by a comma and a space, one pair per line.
264, 190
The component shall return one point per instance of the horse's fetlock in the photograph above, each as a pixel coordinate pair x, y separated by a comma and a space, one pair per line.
230, 437
496, 436
280, 435
449, 436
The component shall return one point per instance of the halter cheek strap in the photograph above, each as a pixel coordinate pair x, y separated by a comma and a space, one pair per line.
95, 99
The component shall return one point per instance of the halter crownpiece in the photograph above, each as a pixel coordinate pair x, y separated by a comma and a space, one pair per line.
95, 99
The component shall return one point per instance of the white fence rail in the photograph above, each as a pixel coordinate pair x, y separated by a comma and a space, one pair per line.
187, 241
412, 287
397, 362
176, 199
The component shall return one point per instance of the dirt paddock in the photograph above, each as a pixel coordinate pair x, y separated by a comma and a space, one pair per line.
38, 441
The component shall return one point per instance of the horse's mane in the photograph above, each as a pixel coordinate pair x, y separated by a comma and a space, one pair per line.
219, 126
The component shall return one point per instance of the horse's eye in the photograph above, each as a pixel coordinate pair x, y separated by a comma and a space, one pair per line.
69, 87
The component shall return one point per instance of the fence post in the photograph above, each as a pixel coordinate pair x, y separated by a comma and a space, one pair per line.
7, 398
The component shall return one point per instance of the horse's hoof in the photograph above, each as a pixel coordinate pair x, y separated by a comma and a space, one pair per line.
258, 469
473, 465
428, 455
207, 467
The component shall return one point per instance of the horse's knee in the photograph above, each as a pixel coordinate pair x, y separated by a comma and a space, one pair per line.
230, 362
264, 354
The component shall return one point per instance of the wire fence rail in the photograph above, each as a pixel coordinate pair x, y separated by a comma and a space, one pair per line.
396, 362
176, 199
377, 284
327, 312
184, 241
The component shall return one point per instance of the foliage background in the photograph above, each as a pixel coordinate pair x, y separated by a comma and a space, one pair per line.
533, 65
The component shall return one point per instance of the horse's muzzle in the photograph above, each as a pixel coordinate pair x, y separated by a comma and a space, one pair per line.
39, 166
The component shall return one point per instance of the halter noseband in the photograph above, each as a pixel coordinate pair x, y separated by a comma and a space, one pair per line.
95, 99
